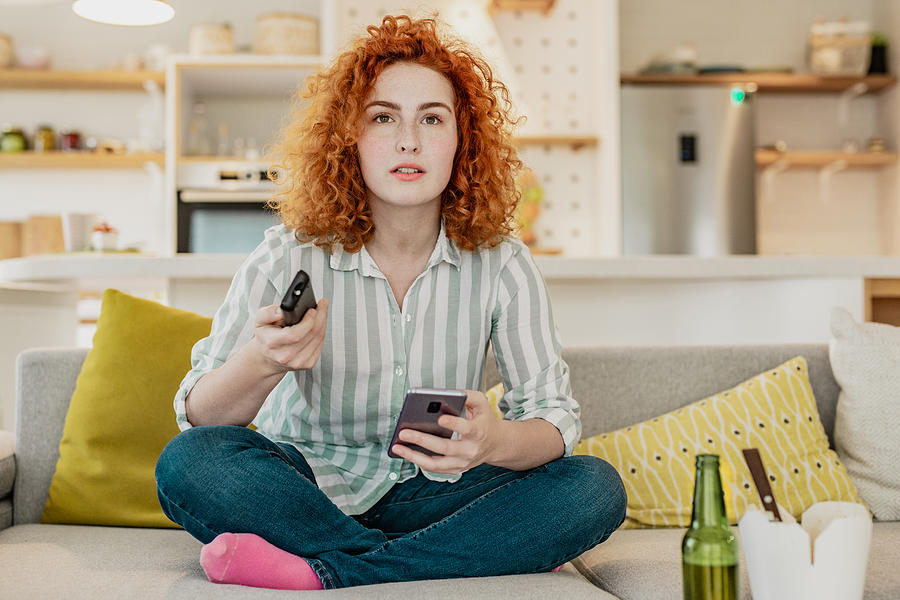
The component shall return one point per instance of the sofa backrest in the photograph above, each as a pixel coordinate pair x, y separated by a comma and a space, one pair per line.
616, 386
620, 386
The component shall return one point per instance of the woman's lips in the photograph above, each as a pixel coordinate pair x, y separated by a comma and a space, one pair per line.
407, 176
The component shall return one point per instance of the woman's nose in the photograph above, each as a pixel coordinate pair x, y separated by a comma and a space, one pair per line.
408, 140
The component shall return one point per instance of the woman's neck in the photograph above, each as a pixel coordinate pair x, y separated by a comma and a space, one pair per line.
404, 235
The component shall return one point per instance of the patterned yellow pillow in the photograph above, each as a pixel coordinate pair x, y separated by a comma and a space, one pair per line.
493, 395
774, 412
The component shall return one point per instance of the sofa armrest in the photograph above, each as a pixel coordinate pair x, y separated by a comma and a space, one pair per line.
7, 476
45, 381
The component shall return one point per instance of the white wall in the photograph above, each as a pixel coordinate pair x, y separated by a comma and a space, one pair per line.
771, 33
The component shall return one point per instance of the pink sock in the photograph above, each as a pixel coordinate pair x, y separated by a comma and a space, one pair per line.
558, 569
247, 559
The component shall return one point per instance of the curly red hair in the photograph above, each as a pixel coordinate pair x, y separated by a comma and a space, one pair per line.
324, 198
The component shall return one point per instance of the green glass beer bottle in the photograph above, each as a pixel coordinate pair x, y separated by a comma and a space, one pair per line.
709, 551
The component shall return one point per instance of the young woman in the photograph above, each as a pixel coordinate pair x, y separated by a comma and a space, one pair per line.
397, 202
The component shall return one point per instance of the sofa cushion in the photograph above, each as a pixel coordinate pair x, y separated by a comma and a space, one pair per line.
71, 561
774, 412
645, 564
865, 359
120, 416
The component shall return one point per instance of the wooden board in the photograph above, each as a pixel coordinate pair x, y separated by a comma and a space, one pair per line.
822, 158
78, 160
768, 82
78, 80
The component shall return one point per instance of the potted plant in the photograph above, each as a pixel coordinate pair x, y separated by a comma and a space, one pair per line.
104, 238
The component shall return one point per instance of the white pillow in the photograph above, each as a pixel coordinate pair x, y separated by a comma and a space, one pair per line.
865, 359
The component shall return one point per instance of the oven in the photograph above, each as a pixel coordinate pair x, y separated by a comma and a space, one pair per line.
221, 207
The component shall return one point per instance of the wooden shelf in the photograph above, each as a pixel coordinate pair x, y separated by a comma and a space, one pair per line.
884, 288
78, 160
27, 79
768, 82
822, 158
576, 141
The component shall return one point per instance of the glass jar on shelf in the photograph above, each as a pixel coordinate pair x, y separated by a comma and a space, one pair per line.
197, 143
70, 140
13, 139
44, 139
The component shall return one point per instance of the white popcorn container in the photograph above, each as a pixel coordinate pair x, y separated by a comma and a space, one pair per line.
822, 558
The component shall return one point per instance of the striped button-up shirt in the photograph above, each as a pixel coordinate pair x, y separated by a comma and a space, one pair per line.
341, 413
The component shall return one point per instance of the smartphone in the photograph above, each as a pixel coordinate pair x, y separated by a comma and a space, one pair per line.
298, 299
421, 409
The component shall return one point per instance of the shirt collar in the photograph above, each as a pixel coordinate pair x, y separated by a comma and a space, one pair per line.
445, 250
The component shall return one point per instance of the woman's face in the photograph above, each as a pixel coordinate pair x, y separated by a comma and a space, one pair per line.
408, 137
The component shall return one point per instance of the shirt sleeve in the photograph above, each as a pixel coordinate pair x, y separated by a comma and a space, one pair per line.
233, 324
528, 351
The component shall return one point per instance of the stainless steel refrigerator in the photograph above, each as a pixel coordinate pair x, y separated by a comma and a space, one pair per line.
688, 170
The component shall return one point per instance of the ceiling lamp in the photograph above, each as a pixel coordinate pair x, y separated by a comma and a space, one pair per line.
124, 12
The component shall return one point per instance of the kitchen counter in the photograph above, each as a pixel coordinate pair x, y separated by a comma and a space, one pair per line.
617, 300
62, 267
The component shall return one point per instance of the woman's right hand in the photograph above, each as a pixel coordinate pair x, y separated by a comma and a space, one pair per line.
293, 348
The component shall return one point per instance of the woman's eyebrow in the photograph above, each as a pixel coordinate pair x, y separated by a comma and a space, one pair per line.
423, 106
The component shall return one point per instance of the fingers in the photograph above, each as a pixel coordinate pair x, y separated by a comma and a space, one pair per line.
450, 464
476, 402
269, 315
454, 456
296, 347
458, 424
425, 440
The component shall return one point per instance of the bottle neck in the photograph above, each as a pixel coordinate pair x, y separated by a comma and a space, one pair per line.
709, 503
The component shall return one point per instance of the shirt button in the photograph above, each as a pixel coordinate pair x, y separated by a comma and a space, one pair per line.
408, 318
392, 477
399, 372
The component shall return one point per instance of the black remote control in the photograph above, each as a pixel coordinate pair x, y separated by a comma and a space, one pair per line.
298, 299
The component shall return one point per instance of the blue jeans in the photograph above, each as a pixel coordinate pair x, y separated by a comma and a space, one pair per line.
493, 521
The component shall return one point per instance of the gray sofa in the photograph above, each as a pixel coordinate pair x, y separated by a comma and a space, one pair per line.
616, 386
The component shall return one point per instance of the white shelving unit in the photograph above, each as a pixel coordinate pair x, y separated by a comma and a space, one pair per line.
250, 93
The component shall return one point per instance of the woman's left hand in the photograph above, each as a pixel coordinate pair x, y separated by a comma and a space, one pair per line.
479, 434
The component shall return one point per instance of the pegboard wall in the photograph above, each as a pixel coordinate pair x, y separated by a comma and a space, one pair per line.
546, 62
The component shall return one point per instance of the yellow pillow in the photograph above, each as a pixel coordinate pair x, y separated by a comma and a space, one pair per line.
774, 412
121, 416
493, 395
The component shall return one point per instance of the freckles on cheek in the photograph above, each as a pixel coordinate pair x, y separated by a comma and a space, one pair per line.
368, 149
447, 149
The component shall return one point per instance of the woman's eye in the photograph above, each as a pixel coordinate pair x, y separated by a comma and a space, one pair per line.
382, 119
431, 120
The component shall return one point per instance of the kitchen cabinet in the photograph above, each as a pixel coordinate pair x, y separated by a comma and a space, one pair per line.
882, 301
222, 112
